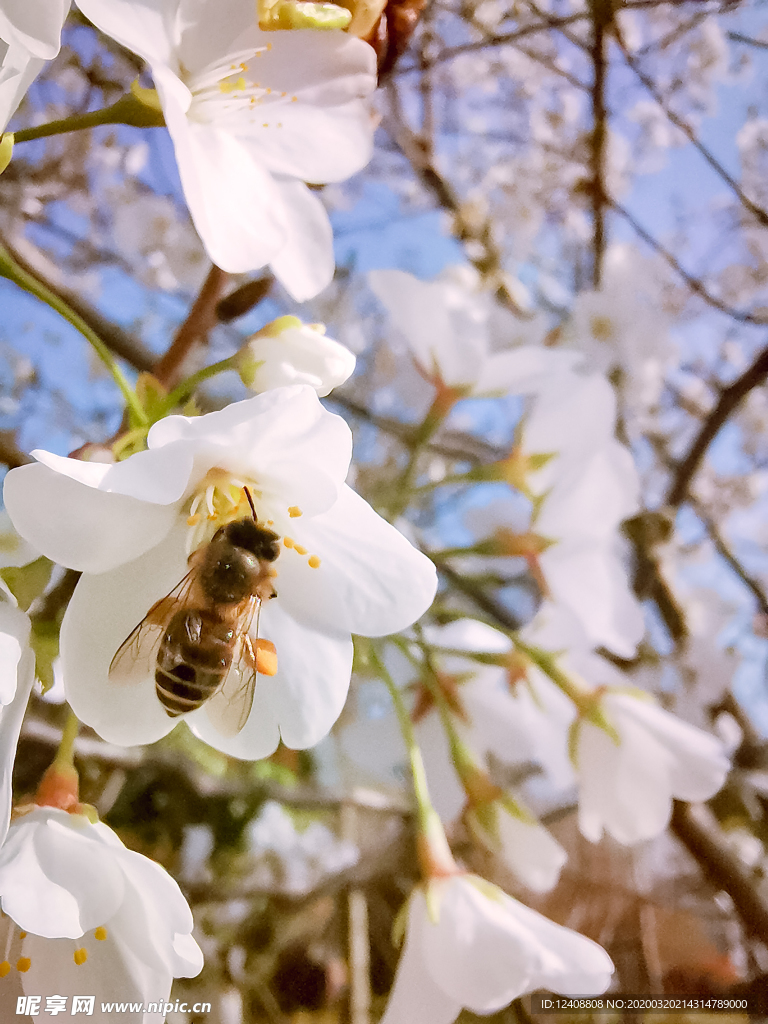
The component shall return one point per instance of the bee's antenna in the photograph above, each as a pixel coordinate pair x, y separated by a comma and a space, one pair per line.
250, 502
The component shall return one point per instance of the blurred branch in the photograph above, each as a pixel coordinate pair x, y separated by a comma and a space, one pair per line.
728, 556
696, 285
452, 444
602, 15
10, 454
490, 264
698, 829
692, 137
729, 400
117, 340
200, 321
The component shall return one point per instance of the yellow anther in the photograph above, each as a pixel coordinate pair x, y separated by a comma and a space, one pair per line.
100, 934
193, 520
269, 46
269, 92
5, 968
265, 125
283, 94
288, 542
23, 964
314, 562
299, 549
80, 956
243, 66
211, 516
22, 935
294, 511
294, 99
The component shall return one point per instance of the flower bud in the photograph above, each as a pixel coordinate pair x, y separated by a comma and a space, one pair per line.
287, 351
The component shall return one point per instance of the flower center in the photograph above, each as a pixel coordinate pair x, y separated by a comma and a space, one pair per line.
222, 498
230, 93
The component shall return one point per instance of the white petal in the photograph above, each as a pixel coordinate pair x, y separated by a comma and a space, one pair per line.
152, 915
699, 763
143, 26
574, 965
80, 524
102, 613
305, 263
531, 852
17, 72
297, 452
370, 581
305, 697
312, 679
34, 24
314, 143
415, 998
419, 310
476, 952
624, 789
11, 718
54, 879
523, 370
232, 199
258, 738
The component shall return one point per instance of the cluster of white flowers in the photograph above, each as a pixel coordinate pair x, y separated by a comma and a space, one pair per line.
259, 110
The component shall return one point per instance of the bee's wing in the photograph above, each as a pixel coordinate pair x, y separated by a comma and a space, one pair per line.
228, 709
137, 654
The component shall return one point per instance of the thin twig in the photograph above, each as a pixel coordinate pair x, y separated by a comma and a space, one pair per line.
728, 556
730, 399
758, 212
601, 17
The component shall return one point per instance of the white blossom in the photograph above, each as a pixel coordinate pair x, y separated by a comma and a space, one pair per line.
253, 116
627, 782
130, 526
446, 326
470, 945
82, 914
287, 351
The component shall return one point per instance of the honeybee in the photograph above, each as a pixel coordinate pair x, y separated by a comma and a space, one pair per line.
197, 639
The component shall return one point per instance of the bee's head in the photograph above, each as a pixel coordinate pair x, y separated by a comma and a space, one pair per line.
258, 540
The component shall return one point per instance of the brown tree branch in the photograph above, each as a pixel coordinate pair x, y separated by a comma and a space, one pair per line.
699, 831
121, 342
601, 17
202, 318
728, 556
730, 399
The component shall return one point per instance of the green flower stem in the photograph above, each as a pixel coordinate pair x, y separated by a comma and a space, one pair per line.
10, 269
180, 394
440, 408
425, 810
128, 110
423, 488
65, 756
